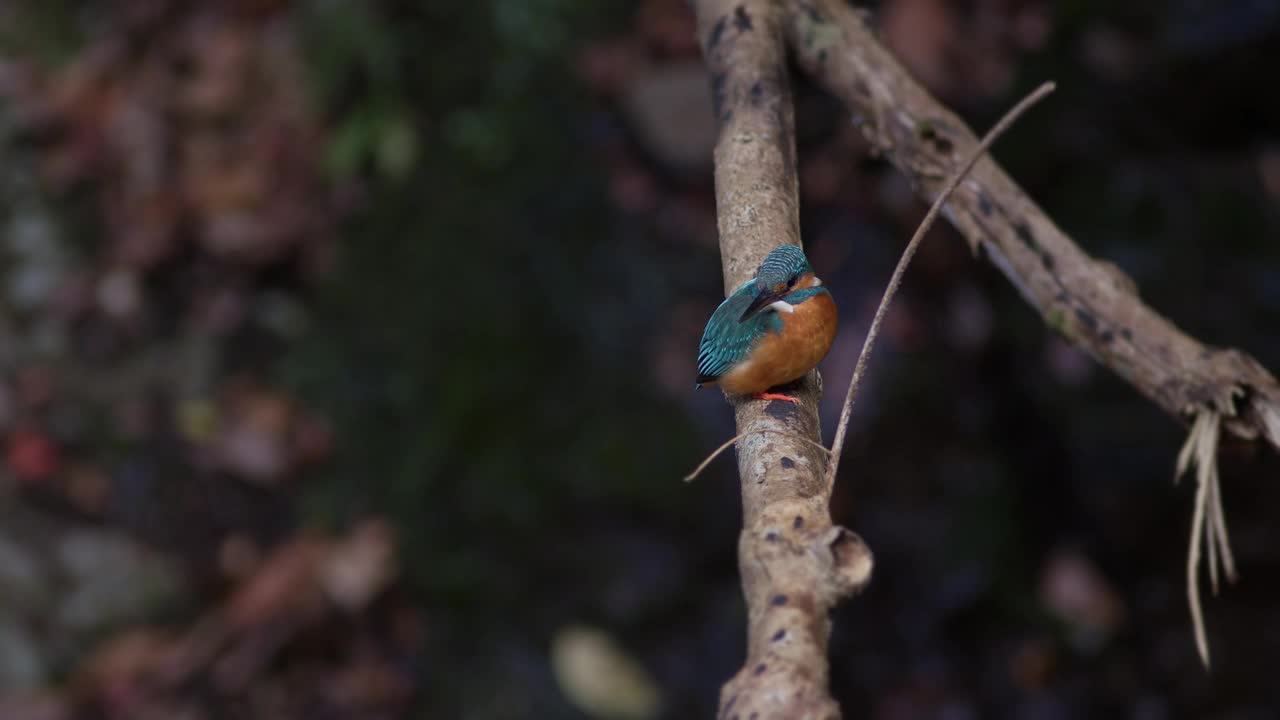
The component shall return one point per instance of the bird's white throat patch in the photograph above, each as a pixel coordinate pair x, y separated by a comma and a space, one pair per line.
781, 306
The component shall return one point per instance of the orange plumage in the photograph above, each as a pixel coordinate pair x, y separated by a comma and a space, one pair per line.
771, 330
806, 337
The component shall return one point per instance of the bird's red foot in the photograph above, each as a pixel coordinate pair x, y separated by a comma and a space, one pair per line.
775, 396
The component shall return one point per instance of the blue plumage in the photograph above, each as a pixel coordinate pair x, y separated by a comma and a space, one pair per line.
740, 322
727, 339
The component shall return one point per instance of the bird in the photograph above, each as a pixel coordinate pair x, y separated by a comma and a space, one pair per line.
773, 329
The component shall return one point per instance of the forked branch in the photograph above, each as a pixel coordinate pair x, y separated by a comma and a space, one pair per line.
895, 280
1091, 303
795, 564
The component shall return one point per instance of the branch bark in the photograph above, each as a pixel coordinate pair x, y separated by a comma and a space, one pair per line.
795, 564
1092, 303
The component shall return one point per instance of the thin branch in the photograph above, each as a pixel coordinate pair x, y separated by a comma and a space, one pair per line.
837, 445
1090, 302
716, 453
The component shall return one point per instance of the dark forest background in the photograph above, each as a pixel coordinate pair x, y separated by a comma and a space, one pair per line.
346, 359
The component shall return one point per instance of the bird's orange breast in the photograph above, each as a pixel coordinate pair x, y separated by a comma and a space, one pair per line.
780, 358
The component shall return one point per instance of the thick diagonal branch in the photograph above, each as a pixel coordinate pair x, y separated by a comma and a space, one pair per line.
1090, 302
795, 564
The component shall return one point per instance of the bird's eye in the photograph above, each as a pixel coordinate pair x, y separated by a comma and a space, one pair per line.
792, 282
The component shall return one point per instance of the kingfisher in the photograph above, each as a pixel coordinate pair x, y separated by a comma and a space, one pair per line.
773, 329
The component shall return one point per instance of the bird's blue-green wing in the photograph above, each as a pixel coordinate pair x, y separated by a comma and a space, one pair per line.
727, 342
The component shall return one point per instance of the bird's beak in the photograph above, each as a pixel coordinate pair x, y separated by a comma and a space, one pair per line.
766, 298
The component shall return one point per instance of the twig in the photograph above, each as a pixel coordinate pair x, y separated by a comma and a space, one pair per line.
1090, 302
758, 431
842, 429
1208, 522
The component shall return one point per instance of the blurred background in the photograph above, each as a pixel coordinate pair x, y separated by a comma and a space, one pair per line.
347, 355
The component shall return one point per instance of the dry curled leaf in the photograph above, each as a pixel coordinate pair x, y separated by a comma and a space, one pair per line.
1208, 520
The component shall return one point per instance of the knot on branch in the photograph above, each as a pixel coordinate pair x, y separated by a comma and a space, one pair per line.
794, 547
1119, 279
796, 566
850, 561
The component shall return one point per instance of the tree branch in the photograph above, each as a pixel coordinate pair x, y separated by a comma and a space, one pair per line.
795, 564
1090, 302
895, 280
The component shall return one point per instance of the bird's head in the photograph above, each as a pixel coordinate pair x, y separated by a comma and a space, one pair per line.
784, 270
